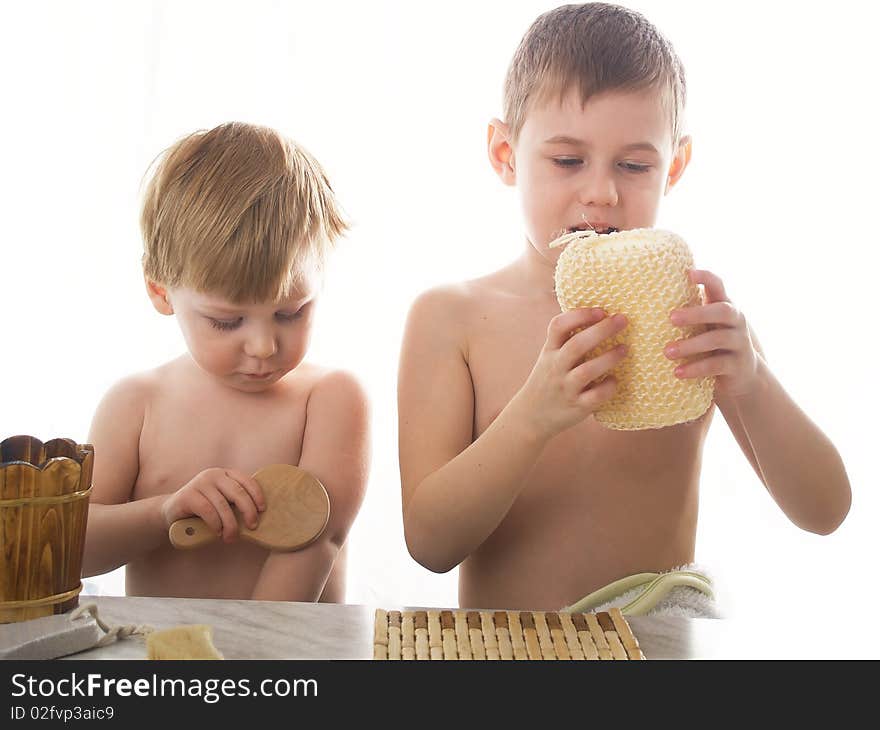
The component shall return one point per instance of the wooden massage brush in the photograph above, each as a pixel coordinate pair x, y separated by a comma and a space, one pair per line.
297, 511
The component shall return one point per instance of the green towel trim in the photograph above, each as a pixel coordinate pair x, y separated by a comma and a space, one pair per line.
655, 587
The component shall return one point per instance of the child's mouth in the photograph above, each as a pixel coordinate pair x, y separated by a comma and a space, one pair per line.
600, 230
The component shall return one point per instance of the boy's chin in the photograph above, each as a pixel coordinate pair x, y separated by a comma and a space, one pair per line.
246, 384
544, 250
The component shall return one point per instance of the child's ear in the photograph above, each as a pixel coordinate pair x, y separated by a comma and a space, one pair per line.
679, 162
501, 152
158, 296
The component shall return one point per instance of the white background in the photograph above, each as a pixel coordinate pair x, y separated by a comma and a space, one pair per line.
780, 200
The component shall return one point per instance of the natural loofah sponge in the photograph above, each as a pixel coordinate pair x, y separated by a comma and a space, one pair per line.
641, 274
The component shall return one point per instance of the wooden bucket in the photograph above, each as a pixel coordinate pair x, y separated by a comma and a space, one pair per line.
44, 506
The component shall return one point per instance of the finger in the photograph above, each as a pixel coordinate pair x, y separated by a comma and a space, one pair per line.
724, 338
597, 394
562, 325
251, 486
241, 498
255, 490
581, 344
229, 525
720, 364
719, 313
713, 284
201, 507
587, 372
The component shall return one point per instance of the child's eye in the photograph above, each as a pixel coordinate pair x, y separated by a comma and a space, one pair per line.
224, 324
567, 161
289, 316
634, 167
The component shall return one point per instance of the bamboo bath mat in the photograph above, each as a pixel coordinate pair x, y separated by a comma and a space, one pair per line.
463, 635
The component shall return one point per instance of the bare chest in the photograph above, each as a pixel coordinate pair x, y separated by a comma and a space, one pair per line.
587, 459
185, 432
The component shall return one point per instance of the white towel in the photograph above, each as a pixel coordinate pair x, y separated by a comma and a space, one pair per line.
682, 601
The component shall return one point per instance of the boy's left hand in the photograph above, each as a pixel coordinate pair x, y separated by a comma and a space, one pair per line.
725, 350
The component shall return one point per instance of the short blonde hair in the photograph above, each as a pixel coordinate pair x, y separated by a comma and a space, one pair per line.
593, 47
238, 211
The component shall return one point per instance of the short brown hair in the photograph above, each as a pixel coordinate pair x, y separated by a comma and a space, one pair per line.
238, 211
593, 47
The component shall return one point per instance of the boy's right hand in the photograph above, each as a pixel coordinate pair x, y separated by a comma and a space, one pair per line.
210, 495
560, 391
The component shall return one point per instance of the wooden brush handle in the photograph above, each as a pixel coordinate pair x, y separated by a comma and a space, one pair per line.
191, 532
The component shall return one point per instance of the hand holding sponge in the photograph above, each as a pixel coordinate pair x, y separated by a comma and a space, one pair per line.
642, 274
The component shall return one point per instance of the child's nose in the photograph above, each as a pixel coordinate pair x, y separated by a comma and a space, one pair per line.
599, 189
261, 344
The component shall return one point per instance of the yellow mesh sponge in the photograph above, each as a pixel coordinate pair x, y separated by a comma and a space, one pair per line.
642, 274
182, 642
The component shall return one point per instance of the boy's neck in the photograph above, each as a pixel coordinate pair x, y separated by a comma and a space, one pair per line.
535, 274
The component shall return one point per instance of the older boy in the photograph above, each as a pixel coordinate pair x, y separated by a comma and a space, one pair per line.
503, 469
236, 223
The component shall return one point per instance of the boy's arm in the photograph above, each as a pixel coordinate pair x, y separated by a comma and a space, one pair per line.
119, 530
336, 450
797, 463
456, 491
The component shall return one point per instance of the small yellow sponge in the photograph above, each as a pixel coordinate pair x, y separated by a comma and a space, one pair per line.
641, 274
182, 642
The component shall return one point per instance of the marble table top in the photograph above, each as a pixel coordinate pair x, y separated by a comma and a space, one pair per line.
287, 630
243, 629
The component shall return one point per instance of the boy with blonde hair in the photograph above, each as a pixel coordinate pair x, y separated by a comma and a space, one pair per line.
236, 224
504, 470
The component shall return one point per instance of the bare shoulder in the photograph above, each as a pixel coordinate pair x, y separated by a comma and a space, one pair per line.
125, 406
452, 302
129, 396
326, 387
336, 390
448, 312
